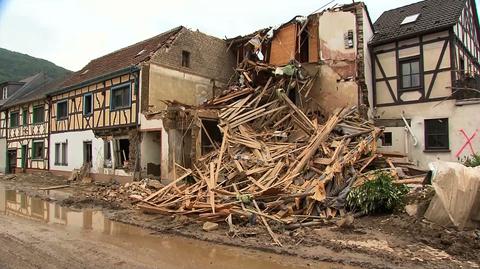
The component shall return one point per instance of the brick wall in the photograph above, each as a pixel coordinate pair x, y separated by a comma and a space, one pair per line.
208, 55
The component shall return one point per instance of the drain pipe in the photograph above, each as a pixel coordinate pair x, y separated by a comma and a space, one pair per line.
409, 130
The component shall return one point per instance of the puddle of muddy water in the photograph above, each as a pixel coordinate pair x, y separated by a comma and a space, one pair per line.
156, 250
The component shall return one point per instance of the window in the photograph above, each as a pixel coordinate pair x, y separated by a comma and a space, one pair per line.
38, 114
24, 116
14, 119
410, 73
5, 93
37, 150
436, 134
120, 97
87, 104
61, 153
122, 152
62, 110
107, 154
87, 152
387, 139
410, 19
185, 58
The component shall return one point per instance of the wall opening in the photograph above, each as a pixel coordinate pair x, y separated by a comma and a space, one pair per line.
211, 134
304, 47
122, 152
87, 152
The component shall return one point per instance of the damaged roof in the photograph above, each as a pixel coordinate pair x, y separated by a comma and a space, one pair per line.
121, 59
432, 15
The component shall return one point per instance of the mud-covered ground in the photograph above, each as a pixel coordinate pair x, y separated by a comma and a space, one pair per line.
386, 241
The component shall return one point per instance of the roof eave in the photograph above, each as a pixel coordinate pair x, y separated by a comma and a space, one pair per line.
126, 70
415, 34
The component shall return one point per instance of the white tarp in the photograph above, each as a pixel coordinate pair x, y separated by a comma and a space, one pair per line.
457, 195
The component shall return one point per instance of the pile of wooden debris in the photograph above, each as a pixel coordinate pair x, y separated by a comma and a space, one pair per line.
279, 160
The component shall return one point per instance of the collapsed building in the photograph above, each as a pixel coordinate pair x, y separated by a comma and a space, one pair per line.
337, 58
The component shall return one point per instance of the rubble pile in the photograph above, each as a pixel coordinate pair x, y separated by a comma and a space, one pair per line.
279, 159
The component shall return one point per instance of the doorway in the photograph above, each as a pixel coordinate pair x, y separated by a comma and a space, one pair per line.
12, 161
87, 152
24, 156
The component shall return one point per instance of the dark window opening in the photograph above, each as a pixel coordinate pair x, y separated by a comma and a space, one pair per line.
38, 114
387, 139
37, 150
87, 152
14, 119
120, 97
107, 154
87, 104
304, 48
57, 153
210, 134
64, 153
410, 73
348, 40
461, 68
62, 110
24, 116
436, 134
185, 58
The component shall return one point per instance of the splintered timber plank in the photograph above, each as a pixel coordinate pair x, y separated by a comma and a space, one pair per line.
171, 184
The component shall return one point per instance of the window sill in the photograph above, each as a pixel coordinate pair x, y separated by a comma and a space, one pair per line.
120, 108
410, 89
437, 150
88, 115
38, 123
37, 159
60, 119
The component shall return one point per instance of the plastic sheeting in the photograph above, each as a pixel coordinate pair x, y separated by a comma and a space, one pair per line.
457, 195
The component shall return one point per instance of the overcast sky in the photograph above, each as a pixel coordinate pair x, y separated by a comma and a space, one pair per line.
72, 32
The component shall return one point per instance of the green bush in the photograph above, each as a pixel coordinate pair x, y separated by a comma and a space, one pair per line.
472, 161
377, 196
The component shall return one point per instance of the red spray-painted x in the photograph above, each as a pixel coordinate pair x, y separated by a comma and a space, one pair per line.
467, 143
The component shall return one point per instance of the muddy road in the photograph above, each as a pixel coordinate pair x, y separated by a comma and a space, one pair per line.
38, 234
72, 228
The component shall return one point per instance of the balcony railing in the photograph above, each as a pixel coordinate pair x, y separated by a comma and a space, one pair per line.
467, 88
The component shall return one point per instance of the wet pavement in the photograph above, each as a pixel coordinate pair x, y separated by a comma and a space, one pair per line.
140, 246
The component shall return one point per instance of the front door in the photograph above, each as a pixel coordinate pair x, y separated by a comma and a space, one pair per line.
24, 156
12, 161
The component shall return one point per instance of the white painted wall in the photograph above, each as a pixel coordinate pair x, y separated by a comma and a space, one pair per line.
75, 150
464, 118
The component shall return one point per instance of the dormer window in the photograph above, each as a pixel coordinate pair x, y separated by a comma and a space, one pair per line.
185, 58
410, 19
5, 93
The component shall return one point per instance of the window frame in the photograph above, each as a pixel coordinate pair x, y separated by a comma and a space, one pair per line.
384, 139
428, 134
24, 116
17, 117
57, 153
123, 86
57, 112
43, 114
91, 104
42, 157
410, 60
5, 93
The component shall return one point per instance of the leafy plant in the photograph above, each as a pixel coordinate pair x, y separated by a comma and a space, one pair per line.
377, 195
472, 161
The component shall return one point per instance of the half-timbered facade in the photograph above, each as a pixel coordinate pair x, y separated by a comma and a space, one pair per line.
27, 129
420, 53
98, 114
